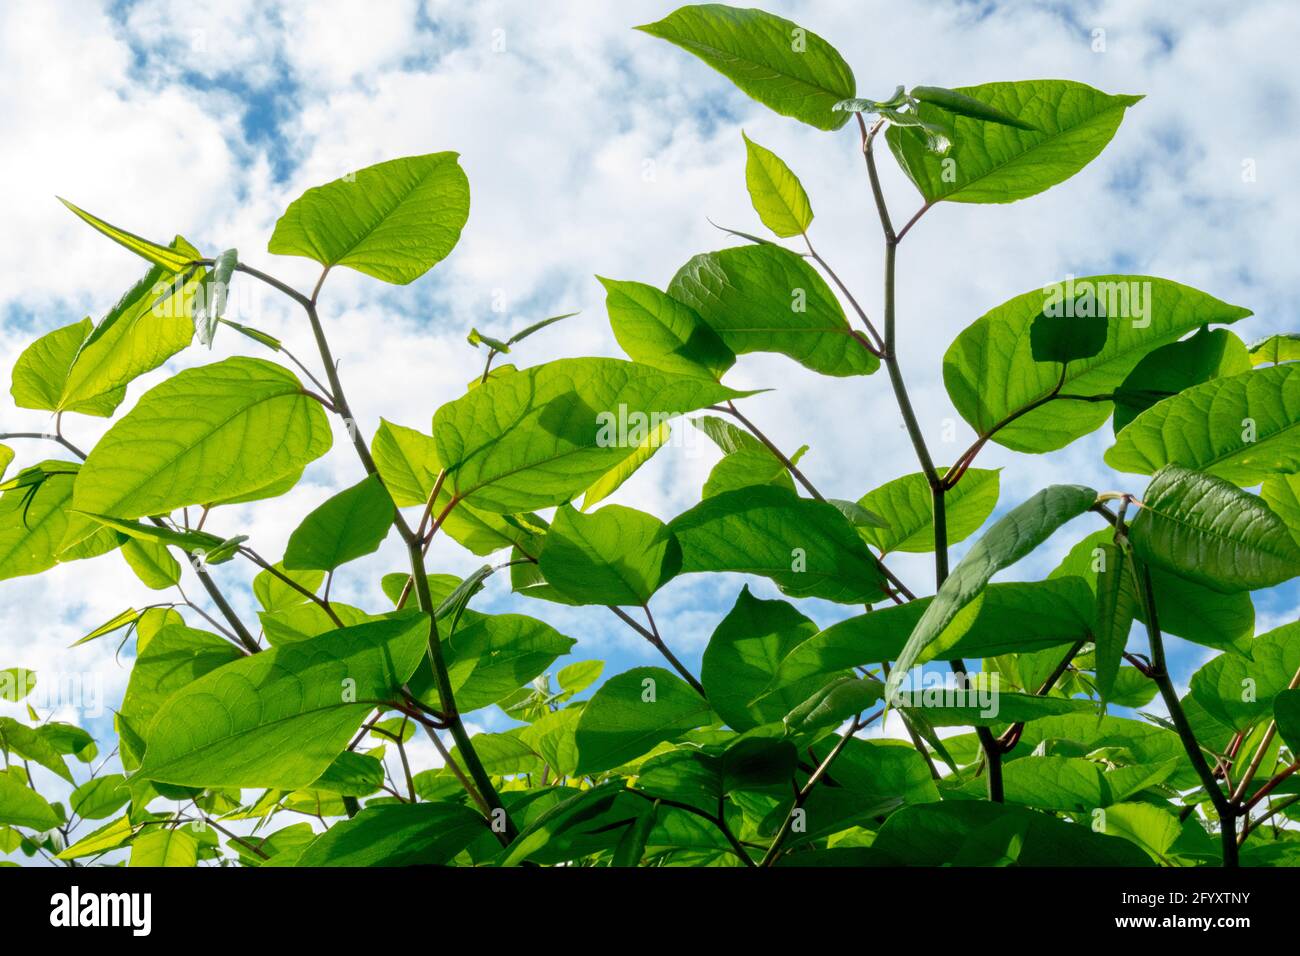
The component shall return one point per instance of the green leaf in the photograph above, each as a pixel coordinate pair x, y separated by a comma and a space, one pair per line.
392, 221
21, 806
152, 563
148, 325
26, 742
166, 846
16, 683
964, 105
1282, 494
208, 432
397, 835
743, 656
40, 375
1242, 428
571, 812
1177, 366
910, 509
1276, 348
775, 191
840, 699
303, 621
1209, 531
36, 521
6, 456
1144, 314
1239, 692
171, 259
100, 797
654, 328
212, 303
995, 163
578, 676
1014, 535
631, 713
1117, 603
783, 66
612, 480
932, 834
110, 836
348, 526
1286, 711
489, 656
351, 774
746, 461
279, 718
407, 461
1185, 608
540, 436
274, 595
616, 555
763, 298
807, 547
172, 659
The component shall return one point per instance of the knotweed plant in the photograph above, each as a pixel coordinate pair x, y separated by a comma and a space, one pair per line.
1023, 734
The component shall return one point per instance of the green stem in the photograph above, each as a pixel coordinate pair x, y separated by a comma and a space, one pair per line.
1159, 672
992, 752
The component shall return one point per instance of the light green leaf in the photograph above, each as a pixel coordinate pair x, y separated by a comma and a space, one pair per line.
1144, 314
578, 676
746, 461
20, 806
279, 718
172, 659
616, 555
654, 328
540, 436
303, 621
152, 563
1177, 366
775, 191
212, 302
837, 701
1243, 428
807, 547
1015, 535
997, 163
173, 260
100, 797
762, 298
166, 846
393, 221
274, 595
349, 525
407, 461
27, 743
612, 480
1055, 783
351, 774
1282, 494
34, 528
1284, 347
742, 659
110, 836
148, 325
16, 683
397, 835
6, 456
41, 373
785, 67
208, 432
908, 508
1207, 530
631, 713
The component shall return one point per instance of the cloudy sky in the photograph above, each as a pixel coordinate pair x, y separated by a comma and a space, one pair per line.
594, 149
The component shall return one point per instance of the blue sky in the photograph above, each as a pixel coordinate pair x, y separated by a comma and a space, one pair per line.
594, 149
